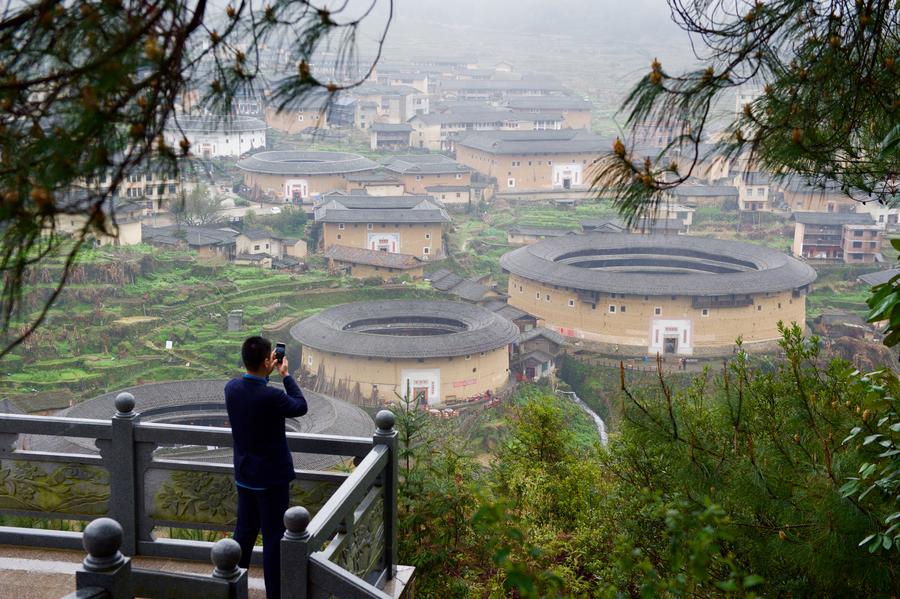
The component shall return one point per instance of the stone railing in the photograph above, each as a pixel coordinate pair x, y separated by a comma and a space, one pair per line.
147, 478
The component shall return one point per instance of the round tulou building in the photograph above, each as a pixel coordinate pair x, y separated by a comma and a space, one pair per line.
667, 294
439, 351
297, 175
202, 403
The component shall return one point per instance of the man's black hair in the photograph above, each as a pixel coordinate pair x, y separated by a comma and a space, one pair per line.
254, 352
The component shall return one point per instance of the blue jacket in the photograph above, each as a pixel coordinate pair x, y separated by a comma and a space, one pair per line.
257, 412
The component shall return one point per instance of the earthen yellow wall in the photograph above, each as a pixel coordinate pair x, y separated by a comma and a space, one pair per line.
412, 237
756, 323
365, 271
814, 202
576, 119
411, 185
290, 122
460, 378
535, 171
275, 183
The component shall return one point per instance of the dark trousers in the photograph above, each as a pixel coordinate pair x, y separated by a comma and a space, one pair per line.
263, 510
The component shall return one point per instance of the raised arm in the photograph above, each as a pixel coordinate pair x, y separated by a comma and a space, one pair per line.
290, 402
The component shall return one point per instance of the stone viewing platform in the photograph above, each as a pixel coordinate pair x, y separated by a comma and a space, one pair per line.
152, 514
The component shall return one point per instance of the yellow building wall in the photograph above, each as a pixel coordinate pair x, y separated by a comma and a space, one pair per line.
295, 121
276, 183
366, 271
417, 186
576, 119
413, 237
460, 378
534, 171
757, 323
824, 202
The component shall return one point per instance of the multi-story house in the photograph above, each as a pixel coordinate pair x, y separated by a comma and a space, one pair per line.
835, 236
411, 225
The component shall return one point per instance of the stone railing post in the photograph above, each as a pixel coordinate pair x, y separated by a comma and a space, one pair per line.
123, 500
104, 567
225, 555
387, 435
295, 554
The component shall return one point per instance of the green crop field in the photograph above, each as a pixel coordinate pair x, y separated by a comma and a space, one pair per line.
101, 336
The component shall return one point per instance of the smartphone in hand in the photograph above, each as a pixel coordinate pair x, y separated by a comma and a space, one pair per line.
279, 352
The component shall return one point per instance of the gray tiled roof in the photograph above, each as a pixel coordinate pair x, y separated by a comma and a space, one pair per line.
258, 234
705, 191
513, 313
544, 231
193, 236
676, 265
376, 176
381, 209
879, 277
215, 124
326, 331
559, 141
550, 103
425, 164
343, 253
391, 127
834, 218
755, 178
542, 332
292, 162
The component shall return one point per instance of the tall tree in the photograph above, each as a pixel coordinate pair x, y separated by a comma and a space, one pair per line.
199, 208
829, 105
87, 87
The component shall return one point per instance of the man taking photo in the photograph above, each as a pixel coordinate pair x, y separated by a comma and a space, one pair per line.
263, 468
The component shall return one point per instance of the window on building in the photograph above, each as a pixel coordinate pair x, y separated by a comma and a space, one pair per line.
857, 244
339, 236
300, 117
426, 250
571, 303
612, 309
418, 177
547, 297
857, 233
537, 295
593, 306
657, 310
255, 248
309, 360
621, 308
341, 226
468, 357
704, 312
267, 246
759, 307
510, 182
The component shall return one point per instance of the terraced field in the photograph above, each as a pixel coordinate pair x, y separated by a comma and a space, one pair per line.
102, 336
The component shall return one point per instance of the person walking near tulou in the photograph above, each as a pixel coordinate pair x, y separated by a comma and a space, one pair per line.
263, 468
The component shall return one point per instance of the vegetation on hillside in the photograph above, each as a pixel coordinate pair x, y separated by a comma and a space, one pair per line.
740, 483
